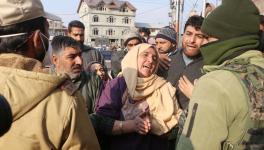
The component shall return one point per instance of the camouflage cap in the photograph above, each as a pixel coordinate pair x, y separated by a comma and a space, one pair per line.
17, 11
260, 5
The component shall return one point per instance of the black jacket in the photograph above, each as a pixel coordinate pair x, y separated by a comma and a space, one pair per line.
178, 69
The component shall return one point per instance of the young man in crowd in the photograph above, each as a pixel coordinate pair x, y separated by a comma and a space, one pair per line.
187, 61
167, 45
76, 30
226, 106
47, 112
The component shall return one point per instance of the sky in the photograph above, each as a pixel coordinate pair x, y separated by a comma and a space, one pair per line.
148, 11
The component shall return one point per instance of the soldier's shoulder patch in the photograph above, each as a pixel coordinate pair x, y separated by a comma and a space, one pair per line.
69, 87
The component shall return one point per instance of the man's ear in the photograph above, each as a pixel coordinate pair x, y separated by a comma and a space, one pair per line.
37, 43
54, 59
34, 45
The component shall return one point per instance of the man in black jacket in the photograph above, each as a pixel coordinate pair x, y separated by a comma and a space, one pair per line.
187, 61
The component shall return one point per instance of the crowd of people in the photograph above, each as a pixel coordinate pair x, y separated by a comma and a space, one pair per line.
204, 93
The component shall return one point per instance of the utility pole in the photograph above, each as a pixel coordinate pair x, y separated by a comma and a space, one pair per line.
177, 15
181, 8
204, 7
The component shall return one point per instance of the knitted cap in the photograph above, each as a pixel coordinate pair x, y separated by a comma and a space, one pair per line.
17, 11
233, 18
167, 34
131, 34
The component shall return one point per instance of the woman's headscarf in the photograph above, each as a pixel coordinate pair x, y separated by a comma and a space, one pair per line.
159, 94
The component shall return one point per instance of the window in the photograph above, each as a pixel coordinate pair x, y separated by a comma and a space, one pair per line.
126, 20
110, 32
95, 18
110, 19
101, 7
124, 32
124, 9
95, 31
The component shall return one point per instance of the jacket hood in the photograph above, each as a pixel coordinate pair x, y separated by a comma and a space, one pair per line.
25, 89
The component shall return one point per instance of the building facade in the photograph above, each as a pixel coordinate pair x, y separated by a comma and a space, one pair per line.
55, 25
106, 21
154, 28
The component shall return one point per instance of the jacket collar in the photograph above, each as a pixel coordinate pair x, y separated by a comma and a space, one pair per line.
217, 52
252, 56
20, 62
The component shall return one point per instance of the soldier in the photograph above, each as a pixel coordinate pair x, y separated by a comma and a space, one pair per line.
226, 106
47, 113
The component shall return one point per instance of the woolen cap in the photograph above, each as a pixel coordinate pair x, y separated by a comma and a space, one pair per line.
167, 34
232, 19
17, 11
131, 34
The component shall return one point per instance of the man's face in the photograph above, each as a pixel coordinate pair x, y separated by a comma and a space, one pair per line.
192, 40
164, 46
77, 34
131, 43
69, 61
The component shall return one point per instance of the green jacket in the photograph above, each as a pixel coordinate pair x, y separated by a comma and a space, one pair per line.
89, 84
219, 109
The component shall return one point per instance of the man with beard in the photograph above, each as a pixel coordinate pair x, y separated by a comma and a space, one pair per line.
67, 59
76, 31
47, 113
186, 61
167, 46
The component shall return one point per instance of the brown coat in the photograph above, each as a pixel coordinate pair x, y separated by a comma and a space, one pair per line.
45, 117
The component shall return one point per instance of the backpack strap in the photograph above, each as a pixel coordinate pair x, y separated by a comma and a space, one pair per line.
252, 80
252, 77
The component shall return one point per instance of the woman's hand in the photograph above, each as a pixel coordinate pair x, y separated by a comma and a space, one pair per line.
142, 124
186, 86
